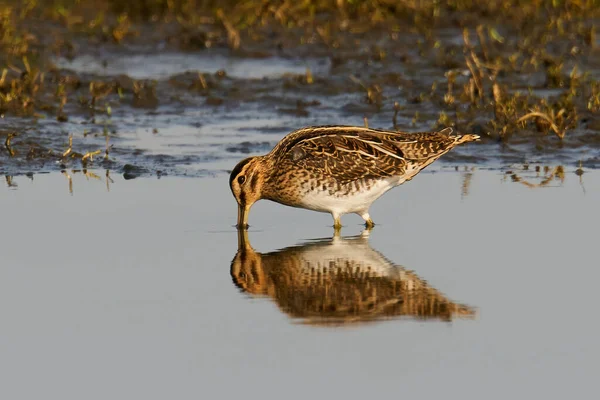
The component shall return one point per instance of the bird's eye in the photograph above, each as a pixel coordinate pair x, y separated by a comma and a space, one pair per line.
241, 179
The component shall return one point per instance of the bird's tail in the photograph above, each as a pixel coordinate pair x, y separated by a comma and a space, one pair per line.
469, 137
458, 139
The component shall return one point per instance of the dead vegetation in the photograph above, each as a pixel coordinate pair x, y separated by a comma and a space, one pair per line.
544, 176
504, 68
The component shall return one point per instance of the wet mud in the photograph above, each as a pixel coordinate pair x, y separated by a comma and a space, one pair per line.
164, 97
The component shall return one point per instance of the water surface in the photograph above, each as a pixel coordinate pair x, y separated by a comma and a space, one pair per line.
127, 289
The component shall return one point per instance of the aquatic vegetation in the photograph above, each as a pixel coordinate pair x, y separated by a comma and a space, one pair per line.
508, 70
544, 176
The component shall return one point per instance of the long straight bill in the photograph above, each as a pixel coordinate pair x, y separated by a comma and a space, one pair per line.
242, 221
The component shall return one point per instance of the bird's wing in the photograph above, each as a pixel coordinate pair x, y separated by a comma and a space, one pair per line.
424, 145
353, 153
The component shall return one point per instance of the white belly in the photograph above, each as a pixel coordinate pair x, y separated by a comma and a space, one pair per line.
356, 201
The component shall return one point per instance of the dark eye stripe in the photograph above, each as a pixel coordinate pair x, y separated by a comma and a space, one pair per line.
238, 168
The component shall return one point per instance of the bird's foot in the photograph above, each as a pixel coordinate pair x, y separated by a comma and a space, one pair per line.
369, 224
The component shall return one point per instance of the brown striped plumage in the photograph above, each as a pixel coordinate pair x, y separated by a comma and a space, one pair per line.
337, 169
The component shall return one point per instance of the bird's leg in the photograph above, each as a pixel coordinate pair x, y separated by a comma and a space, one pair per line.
337, 222
369, 224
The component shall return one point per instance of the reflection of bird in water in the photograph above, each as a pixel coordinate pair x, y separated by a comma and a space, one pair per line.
337, 281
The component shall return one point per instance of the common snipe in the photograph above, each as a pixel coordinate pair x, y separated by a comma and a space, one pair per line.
337, 169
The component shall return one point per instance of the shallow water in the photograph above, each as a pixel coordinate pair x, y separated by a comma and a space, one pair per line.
162, 65
112, 286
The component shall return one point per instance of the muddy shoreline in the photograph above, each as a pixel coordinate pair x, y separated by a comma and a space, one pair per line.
162, 95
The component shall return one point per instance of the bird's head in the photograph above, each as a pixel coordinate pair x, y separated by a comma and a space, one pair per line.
246, 182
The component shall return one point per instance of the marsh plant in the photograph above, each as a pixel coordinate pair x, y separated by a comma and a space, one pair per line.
502, 68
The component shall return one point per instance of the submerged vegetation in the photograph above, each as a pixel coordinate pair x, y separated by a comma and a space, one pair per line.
515, 71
